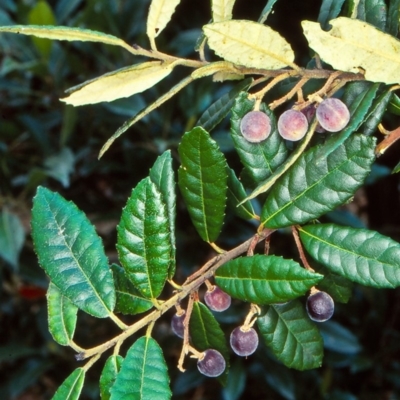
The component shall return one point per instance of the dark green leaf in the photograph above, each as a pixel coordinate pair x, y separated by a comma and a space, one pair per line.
12, 237
203, 182
236, 194
394, 105
71, 388
162, 175
143, 374
330, 9
280, 379
206, 333
292, 336
219, 109
259, 159
396, 169
338, 338
309, 189
62, 316
71, 253
360, 255
60, 166
264, 279
376, 112
359, 106
109, 374
129, 299
392, 25
144, 242
373, 12
236, 383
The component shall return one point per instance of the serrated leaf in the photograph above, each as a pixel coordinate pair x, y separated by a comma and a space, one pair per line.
144, 239
352, 43
206, 333
360, 255
162, 175
219, 109
236, 194
264, 279
109, 374
143, 374
250, 44
222, 10
261, 159
62, 316
291, 336
129, 299
71, 388
203, 182
309, 189
71, 253
373, 12
121, 83
160, 14
329, 9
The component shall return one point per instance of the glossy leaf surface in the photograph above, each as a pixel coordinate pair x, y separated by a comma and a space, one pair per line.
71, 388
329, 9
109, 374
203, 182
373, 12
62, 316
361, 255
309, 189
71, 253
291, 336
144, 242
143, 374
264, 279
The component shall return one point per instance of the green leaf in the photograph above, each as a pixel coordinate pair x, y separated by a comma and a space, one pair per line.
12, 237
309, 189
60, 165
339, 339
62, 316
219, 109
264, 279
236, 194
266, 11
376, 112
143, 374
260, 160
249, 43
396, 169
162, 175
123, 82
203, 182
394, 105
361, 255
129, 299
71, 388
329, 9
144, 239
71, 253
359, 98
373, 12
206, 333
109, 374
392, 26
292, 337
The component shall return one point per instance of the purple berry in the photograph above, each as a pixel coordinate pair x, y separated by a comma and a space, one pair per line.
244, 343
212, 364
292, 125
309, 112
255, 126
217, 300
320, 306
333, 114
177, 324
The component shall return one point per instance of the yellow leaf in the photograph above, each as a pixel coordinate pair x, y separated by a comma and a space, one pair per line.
250, 44
213, 68
121, 83
352, 43
160, 13
222, 10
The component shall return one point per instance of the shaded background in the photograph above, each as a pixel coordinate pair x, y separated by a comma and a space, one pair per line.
45, 142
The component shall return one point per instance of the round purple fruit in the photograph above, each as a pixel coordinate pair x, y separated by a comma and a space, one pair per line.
292, 125
177, 324
255, 126
217, 300
333, 115
212, 364
244, 342
320, 306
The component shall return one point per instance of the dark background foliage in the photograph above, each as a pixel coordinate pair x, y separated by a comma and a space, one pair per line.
43, 141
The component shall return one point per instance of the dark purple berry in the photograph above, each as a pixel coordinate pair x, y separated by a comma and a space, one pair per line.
333, 114
292, 125
309, 112
177, 324
244, 343
320, 306
255, 126
212, 364
217, 300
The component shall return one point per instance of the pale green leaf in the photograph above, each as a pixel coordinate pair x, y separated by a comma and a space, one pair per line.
109, 374
352, 43
250, 44
71, 388
121, 83
222, 10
